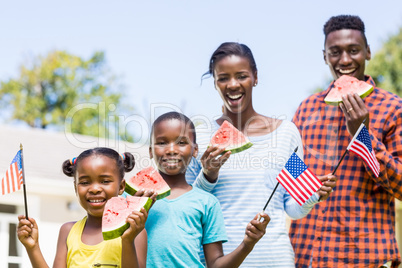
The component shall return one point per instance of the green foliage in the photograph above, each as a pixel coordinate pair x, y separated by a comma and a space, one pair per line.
386, 65
64, 91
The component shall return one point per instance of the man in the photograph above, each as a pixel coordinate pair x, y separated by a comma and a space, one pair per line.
355, 227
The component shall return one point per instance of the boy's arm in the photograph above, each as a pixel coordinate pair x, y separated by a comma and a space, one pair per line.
254, 232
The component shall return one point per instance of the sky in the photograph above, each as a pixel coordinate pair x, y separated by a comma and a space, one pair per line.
160, 49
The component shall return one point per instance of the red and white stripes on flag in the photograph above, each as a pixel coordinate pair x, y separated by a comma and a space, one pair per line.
361, 145
13, 179
298, 179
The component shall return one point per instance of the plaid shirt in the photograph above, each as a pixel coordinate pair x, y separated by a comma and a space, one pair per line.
355, 226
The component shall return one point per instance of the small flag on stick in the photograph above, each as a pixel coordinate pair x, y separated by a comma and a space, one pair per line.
13, 179
361, 145
298, 179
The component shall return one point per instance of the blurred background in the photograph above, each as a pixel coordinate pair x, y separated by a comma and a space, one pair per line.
80, 74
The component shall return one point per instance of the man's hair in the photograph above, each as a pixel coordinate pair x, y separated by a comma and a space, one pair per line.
350, 22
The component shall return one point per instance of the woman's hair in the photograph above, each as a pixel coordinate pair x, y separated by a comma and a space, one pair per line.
125, 162
229, 49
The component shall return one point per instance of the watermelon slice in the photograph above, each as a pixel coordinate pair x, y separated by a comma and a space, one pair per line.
229, 137
347, 84
148, 179
116, 212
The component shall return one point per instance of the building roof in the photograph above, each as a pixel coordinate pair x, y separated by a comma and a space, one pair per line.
44, 151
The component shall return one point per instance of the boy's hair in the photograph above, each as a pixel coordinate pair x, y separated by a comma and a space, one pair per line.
229, 49
174, 115
340, 22
124, 162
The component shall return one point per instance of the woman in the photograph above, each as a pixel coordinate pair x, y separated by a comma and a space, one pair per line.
244, 181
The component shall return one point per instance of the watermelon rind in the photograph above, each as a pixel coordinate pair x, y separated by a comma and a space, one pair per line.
146, 205
233, 148
116, 232
239, 148
132, 187
363, 92
121, 227
131, 190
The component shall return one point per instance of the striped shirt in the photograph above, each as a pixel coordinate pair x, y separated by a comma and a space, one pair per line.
244, 185
355, 226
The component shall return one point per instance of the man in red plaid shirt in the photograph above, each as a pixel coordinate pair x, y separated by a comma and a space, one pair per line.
355, 226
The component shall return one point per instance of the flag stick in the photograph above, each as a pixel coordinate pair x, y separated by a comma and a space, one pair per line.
269, 199
23, 183
343, 156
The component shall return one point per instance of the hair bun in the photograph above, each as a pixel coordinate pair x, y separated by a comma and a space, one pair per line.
128, 161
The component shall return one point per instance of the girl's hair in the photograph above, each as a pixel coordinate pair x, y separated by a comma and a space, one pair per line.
125, 162
228, 49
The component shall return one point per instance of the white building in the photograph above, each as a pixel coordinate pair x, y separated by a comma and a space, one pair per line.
50, 194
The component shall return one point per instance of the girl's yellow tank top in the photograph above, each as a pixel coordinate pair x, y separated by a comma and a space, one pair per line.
106, 254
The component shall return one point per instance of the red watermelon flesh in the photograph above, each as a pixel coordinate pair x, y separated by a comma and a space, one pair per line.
148, 179
230, 138
116, 212
347, 84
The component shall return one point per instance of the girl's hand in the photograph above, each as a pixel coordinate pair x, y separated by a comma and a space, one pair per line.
255, 230
137, 221
212, 161
328, 183
27, 232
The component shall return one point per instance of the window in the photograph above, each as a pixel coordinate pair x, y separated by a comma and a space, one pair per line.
10, 247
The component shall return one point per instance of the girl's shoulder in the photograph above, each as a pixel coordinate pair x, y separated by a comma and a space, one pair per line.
66, 227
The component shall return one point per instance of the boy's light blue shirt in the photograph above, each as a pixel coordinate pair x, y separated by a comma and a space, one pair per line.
178, 228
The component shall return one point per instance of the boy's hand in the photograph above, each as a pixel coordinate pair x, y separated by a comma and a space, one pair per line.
328, 183
256, 229
147, 193
137, 221
27, 232
212, 160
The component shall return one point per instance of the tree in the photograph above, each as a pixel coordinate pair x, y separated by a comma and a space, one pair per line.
61, 89
386, 65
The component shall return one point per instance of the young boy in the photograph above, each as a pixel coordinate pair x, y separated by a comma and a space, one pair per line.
189, 218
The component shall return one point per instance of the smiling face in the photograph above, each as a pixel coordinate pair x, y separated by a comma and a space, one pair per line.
97, 180
234, 80
346, 52
172, 146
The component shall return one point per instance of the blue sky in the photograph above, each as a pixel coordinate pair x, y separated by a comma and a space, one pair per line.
160, 49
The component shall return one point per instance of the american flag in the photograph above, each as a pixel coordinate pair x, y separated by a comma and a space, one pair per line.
298, 179
13, 179
361, 145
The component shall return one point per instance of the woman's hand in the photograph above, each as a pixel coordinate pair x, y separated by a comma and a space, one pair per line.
212, 160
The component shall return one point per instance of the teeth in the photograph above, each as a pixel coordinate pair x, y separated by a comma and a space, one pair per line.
233, 97
96, 201
346, 71
172, 161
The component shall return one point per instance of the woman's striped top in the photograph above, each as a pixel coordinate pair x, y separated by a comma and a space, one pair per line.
244, 185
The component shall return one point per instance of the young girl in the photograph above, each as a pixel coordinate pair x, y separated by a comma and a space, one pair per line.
98, 176
189, 218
